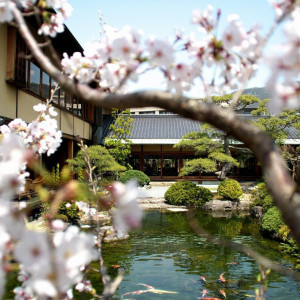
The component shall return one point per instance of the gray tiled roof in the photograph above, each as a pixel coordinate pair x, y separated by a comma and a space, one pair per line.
160, 127
169, 126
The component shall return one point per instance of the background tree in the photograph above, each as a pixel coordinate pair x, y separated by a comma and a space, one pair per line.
213, 145
117, 142
103, 163
278, 127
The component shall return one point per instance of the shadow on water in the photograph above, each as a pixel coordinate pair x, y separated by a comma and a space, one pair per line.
165, 254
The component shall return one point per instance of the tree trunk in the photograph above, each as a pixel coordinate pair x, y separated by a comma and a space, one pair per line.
228, 166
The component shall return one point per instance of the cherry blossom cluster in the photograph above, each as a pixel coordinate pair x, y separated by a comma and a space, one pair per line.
53, 267
53, 22
283, 61
41, 135
122, 55
127, 213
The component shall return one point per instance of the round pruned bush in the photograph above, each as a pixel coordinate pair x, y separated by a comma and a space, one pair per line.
187, 193
141, 178
272, 222
204, 195
182, 192
230, 189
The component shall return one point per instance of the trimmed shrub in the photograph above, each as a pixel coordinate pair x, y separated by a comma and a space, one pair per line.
230, 189
272, 222
70, 210
204, 195
61, 217
260, 197
141, 178
182, 193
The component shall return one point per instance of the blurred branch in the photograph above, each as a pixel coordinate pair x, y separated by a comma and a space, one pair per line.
261, 260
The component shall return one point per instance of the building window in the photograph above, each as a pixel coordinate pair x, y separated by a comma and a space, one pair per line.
152, 165
135, 162
34, 78
170, 166
45, 86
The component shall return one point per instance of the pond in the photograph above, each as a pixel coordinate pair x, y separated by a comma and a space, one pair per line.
165, 254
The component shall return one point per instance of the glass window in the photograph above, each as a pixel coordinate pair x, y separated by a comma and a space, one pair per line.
152, 165
69, 100
248, 166
135, 162
46, 86
79, 107
62, 95
35, 78
170, 165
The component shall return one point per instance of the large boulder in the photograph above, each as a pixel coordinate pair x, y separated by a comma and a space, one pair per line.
223, 205
257, 212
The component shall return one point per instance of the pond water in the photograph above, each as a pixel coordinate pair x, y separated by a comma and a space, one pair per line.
165, 254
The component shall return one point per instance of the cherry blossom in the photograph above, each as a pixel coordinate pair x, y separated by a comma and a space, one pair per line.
78, 67
127, 213
6, 7
234, 34
205, 18
161, 52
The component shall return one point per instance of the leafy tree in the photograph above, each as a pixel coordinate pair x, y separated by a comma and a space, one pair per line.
213, 145
117, 143
277, 127
100, 159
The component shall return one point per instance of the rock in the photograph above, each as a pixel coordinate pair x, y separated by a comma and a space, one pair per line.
224, 205
257, 212
177, 209
109, 234
103, 217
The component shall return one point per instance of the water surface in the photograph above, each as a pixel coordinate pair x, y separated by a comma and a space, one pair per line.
165, 254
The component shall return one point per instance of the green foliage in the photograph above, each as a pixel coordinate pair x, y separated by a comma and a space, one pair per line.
230, 189
198, 164
118, 143
272, 222
57, 176
70, 210
209, 145
204, 195
260, 197
139, 176
187, 193
62, 217
276, 125
100, 159
181, 192
242, 102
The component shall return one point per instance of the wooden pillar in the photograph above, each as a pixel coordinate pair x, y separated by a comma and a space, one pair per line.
70, 149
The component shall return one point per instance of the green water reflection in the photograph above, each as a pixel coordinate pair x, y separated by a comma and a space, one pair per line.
165, 254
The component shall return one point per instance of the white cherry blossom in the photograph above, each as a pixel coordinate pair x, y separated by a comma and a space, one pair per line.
161, 52
6, 7
127, 213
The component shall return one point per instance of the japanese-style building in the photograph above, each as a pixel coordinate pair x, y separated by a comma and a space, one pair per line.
23, 84
156, 131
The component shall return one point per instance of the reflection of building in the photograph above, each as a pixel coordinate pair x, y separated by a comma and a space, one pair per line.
24, 84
